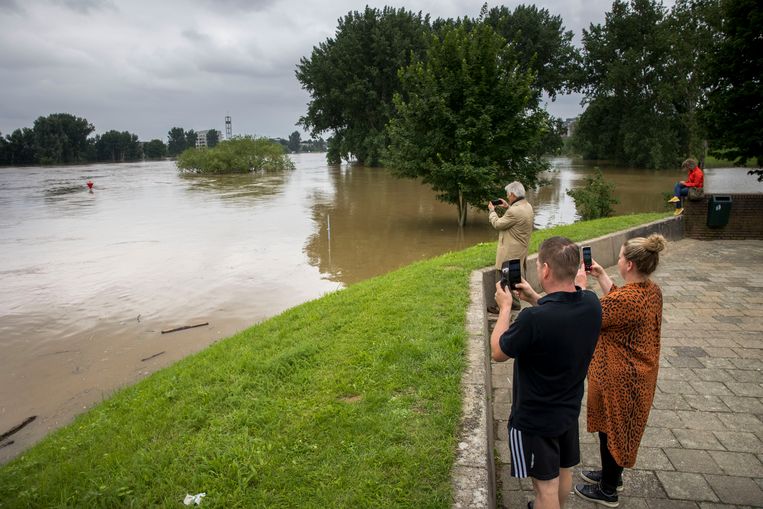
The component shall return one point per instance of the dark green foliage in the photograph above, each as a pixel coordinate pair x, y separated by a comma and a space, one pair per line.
117, 147
213, 138
352, 78
541, 45
468, 120
641, 82
594, 199
61, 138
294, 142
155, 149
176, 141
733, 113
190, 139
19, 148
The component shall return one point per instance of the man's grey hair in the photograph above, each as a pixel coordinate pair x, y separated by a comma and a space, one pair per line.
517, 188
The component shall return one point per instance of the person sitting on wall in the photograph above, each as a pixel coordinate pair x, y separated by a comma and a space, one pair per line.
696, 180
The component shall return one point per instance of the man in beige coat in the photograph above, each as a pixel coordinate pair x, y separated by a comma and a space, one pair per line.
514, 229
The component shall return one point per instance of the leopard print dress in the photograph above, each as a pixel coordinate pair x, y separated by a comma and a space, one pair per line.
623, 373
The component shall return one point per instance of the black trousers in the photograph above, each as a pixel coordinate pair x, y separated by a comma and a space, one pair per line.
611, 472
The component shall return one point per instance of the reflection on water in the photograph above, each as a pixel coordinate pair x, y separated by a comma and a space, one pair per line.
89, 279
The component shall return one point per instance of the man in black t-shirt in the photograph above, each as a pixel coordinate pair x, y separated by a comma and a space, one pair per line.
551, 344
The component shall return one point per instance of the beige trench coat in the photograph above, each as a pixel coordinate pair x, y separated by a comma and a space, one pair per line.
514, 230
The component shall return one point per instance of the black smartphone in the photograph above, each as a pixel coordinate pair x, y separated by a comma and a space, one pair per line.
496, 202
511, 274
587, 260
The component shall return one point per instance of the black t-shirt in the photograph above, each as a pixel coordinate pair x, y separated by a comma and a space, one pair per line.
551, 344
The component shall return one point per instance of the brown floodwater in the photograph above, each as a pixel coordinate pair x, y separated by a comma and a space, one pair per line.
89, 280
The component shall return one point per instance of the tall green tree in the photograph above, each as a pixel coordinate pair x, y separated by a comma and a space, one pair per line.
541, 44
155, 149
213, 138
176, 141
21, 147
61, 138
352, 79
115, 146
190, 139
294, 141
733, 112
630, 89
468, 120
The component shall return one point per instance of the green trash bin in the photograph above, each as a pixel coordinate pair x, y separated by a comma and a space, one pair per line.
718, 210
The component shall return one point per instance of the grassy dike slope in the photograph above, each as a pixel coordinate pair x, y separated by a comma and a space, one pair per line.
351, 400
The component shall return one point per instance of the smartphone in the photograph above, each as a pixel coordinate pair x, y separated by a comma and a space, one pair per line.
587, 260
496, 202
515, 273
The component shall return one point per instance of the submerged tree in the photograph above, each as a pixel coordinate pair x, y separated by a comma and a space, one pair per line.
594, 199
468, 120
238, 155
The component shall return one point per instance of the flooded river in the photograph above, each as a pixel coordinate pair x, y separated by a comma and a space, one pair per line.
89, 280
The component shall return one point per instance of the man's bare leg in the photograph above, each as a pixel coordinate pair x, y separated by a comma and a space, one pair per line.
565, 485
546, 494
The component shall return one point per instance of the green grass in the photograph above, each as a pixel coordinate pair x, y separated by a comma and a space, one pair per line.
351, 400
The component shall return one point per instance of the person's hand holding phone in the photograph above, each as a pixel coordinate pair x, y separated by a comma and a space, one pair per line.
502, 296
525, 292
596, 269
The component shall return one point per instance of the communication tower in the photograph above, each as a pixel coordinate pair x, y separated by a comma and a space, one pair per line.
228, 128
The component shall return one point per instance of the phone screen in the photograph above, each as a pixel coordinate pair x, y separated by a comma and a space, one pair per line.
587, 260
515, 273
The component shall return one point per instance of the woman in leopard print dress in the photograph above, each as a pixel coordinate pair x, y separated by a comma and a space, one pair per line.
623, 373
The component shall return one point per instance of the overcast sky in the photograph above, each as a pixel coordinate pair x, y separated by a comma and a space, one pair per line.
146, 66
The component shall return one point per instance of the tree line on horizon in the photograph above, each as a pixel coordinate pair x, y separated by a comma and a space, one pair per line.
457, 103
63, 138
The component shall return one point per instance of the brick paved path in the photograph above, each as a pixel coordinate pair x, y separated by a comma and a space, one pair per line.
703, 446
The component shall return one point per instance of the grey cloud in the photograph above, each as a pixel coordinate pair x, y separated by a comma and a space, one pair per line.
10, 5
194, 35
241, 5
86, 6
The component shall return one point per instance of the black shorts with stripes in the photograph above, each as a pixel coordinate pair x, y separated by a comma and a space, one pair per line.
542, 457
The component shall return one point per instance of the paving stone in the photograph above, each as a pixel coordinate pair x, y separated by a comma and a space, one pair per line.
671, 504
706, 421
740, 441
692, 460
711, 388
690, 351
642, 483
661, 437
652, 458
665, 419
682, 373
714, 375
716, 363
741, 422
679, 387
671, 401
745, 389
744, 405
693, 439
686, 486
746, 360
736, 490
745, 375
684, 362
715, 351
738, 463
706, 403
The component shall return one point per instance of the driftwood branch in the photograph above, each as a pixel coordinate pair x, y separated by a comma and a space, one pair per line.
18, 428
152, 356
184, 327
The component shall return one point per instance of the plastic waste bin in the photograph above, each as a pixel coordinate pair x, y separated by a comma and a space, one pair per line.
718, 210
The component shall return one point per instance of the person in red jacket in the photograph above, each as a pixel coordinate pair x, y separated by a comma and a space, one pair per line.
681, 189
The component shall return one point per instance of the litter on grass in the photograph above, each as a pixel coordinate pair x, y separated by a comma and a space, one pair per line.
194, 499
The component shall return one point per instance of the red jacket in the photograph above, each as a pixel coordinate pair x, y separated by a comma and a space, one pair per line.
696, 178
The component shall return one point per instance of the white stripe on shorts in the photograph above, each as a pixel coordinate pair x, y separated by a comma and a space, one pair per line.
517, 453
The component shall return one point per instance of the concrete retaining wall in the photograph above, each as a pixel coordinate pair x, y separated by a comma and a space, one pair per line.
473, 476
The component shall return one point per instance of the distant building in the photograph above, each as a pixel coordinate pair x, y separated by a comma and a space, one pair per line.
201, 139
570, 124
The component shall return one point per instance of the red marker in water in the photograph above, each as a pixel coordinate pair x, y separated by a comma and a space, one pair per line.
90, 184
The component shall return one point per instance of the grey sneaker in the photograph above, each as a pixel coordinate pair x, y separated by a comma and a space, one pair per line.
594, 477
593, 493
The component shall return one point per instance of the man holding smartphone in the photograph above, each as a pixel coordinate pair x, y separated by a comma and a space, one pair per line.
514, 227
552, 344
